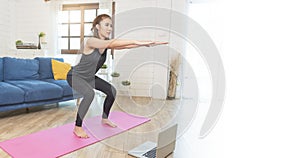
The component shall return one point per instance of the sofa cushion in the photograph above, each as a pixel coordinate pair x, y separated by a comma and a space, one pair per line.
10, 94
36, 90
60, 69
20, 69
45, 67
1, 69
67, 90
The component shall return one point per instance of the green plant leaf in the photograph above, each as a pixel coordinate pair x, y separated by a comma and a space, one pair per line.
19, 42
42, 34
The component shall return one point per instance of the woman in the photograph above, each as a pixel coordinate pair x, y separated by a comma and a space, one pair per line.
82, 76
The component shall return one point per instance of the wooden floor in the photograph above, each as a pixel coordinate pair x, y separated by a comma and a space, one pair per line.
20, 122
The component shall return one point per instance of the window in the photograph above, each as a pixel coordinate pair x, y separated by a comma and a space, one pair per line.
76, 23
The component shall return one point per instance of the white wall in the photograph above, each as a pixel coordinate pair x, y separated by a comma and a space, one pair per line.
32, 18
7, 25
209, 16
150, 80
24, 20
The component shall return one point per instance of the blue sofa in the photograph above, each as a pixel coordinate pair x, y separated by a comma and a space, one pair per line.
29, 82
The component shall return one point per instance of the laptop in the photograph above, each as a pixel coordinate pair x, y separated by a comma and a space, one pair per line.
163, 148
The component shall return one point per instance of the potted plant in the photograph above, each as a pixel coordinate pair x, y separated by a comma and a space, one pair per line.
19, 42
41, 39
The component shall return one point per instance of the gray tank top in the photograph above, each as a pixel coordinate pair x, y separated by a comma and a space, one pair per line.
90, 64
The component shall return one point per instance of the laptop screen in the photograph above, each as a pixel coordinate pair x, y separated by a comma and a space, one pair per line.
166, 142
164, 147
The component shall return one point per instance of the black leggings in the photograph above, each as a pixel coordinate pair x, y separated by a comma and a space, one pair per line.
86, 88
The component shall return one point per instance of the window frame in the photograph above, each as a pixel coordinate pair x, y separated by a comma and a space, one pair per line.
82, 7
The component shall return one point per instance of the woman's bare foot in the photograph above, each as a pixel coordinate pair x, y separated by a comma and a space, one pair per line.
79, 132
108, 122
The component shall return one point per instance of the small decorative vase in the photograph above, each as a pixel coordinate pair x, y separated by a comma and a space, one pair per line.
39, 44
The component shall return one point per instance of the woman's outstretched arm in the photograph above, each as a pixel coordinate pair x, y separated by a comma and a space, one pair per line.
155, 43
116, 43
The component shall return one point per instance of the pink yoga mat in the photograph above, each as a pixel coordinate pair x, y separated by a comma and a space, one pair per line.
59, 141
